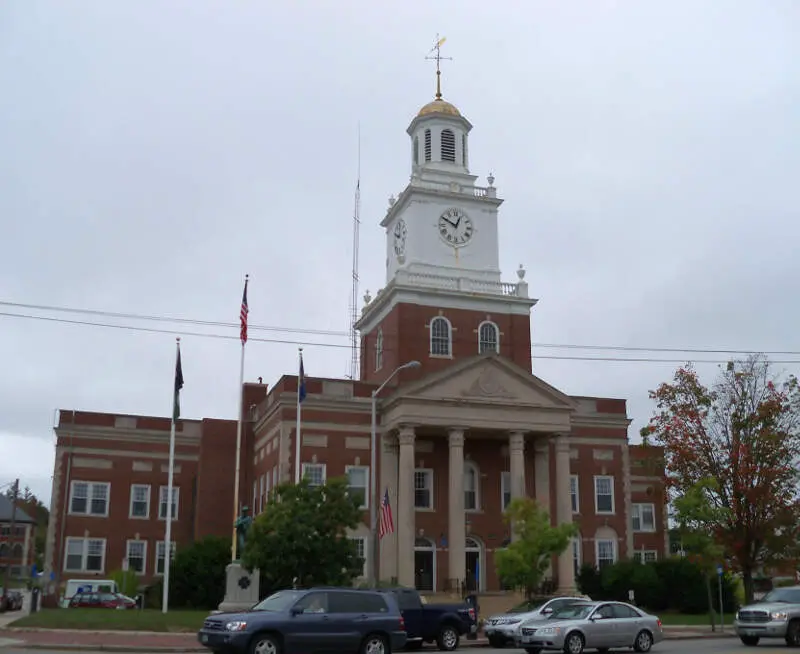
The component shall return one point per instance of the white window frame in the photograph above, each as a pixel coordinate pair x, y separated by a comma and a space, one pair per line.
577, 554
322, 466
84, 554
131, 515
90, 486
379, 349
486, 345
160, 556
614, 553
598, 478
143, 543
449, 353
162, 494
575, 493
650, 556
637, 514
365, 469
364, 545
505, 489
472, 466
428, 472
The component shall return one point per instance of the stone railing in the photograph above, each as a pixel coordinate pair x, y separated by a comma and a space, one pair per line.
464, 284
483, 192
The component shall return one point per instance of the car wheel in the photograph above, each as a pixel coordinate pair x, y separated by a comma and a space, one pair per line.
374, 644
751, 641
793, 634
574, 643
265, 644
448, 638
643, 642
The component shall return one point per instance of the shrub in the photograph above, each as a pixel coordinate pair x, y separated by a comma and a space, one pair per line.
127, 582
197, 575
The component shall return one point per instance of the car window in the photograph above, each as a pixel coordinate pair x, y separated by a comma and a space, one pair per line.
605, 612
407, 600
277, 602
787, 595
526, 607
313, 603
107, 597
622, 611
356, 602
572, 612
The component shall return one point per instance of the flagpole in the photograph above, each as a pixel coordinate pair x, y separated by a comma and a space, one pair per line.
168, 534
243, 316
297, 426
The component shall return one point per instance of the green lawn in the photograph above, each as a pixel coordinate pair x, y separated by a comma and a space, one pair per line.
698, 619
115, 620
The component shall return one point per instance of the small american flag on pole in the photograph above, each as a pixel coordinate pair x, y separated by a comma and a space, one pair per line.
243, 314
386, 525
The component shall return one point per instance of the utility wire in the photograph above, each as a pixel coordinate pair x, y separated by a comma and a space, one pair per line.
154, 330
343, 334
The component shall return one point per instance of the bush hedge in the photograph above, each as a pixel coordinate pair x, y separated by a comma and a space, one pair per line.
676, 584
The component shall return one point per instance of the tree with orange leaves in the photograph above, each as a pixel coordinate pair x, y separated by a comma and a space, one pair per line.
743, 432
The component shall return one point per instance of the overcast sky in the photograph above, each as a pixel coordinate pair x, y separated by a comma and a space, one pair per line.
152, 153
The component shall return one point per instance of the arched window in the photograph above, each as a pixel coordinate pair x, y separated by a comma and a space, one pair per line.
440, 336
379, 349
488, 337
427, 145
17, 550
471, 487
415, 154
464, 150
448, 145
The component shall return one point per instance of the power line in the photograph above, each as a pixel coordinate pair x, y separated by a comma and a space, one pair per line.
154, 330
336, 333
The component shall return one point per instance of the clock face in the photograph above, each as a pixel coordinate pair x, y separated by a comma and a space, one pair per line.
400, 232
455, 227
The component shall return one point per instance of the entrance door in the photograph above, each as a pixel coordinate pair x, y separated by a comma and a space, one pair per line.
472, 552
424, 564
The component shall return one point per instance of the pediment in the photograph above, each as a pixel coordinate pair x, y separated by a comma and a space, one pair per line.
488, 379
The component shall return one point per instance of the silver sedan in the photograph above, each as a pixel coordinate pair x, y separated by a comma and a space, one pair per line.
592, 625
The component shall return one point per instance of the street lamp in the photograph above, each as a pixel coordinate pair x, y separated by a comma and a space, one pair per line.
373, 477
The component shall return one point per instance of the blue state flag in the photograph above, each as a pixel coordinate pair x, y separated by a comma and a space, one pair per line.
301, 382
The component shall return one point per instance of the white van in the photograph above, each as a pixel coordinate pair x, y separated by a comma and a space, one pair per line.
75, 586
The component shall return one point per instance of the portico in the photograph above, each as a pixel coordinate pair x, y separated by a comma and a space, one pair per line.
484, 398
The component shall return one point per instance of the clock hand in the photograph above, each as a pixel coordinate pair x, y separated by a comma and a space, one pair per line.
452, 224
458, 223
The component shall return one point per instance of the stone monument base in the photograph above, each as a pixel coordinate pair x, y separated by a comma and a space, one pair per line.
241, 588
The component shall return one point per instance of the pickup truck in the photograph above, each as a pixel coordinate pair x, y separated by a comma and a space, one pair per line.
443, 624
776, 615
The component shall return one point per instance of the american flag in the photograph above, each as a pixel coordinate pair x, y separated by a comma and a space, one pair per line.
243, 314
386, 525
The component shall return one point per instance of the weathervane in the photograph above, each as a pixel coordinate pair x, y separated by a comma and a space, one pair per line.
438, 58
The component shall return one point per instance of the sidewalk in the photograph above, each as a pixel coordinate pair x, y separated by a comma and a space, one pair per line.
148, 641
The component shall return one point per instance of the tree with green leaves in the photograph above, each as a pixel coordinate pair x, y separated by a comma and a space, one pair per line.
302, 534
744, 432
524, 562
698, 517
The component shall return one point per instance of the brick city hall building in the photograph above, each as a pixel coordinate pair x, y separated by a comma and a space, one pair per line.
460, 435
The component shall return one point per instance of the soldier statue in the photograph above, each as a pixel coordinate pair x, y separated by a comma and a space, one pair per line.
242, 526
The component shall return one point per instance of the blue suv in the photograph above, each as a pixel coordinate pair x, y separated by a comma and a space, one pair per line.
307, 621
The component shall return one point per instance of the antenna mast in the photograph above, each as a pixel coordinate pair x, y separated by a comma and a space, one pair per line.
354, 297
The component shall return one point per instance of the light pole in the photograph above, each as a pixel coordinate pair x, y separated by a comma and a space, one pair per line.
373, 477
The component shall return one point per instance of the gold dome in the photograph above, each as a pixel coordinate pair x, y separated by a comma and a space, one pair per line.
439, 106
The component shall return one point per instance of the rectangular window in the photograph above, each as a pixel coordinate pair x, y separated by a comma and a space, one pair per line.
603, 494
137, 555
423, 488
274, 476
576, 556
85, 555
357, 482
645, 556
160, 549
315, 473
505, 489
89, 498
256, 508
573, 493
643, 517
361, 552
140, 501
606, 553
262, 494
162, 502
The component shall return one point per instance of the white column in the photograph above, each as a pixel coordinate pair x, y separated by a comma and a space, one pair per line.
541, 468
405, 508
388, 476
457, 533
566, 570
516, 452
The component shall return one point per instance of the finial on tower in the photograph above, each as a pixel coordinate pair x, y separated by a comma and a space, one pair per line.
438, 58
